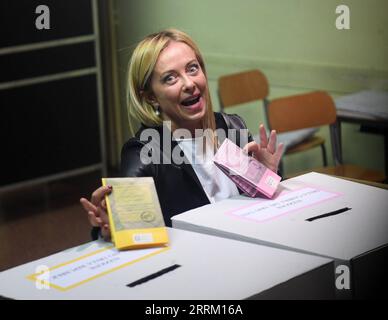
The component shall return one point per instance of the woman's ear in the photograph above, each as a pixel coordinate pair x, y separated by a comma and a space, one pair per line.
150, 98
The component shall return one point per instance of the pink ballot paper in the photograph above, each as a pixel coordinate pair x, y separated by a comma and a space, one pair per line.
251, 176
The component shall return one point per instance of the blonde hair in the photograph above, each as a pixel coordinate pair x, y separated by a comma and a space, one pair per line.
141, 66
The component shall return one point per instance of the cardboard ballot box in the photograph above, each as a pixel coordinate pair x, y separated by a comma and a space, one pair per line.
195, 266
315, 214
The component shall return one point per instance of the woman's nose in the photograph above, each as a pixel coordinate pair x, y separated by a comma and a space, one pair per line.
188, 84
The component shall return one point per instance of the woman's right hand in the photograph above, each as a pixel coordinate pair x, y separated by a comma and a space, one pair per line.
97, 212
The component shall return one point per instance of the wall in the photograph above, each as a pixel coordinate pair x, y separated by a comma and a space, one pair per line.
294, 42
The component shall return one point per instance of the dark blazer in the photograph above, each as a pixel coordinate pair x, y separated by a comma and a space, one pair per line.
177, 185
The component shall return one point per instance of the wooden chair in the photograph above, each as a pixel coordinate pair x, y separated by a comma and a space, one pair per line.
316, 109
238, 88
248, 86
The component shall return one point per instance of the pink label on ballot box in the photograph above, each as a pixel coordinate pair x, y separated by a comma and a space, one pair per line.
251, 176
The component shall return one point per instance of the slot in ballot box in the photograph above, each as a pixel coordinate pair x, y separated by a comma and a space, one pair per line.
315, 214
194, 266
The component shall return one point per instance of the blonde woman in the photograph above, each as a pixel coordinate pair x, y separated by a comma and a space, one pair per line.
168, 94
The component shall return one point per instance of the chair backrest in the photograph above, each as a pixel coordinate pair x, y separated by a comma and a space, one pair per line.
307, 110
242, 87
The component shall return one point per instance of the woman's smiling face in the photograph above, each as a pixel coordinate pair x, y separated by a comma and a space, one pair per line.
179, 86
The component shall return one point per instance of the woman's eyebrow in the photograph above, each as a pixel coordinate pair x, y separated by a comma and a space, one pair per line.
191, 61
166, 73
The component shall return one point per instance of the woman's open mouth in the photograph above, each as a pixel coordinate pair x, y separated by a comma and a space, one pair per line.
191, 101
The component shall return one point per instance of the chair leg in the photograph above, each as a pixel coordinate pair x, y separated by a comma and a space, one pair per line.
324, 155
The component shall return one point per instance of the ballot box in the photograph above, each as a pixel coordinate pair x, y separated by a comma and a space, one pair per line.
194, 266
315, 214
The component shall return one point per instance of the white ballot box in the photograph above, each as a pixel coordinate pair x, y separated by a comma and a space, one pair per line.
194, 266
315, 214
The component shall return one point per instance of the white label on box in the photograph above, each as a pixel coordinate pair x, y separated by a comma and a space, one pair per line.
78, 271
265, 210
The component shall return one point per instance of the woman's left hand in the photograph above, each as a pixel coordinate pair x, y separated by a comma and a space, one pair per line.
268, 153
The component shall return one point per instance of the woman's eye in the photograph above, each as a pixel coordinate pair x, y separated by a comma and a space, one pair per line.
169, 79
193, 68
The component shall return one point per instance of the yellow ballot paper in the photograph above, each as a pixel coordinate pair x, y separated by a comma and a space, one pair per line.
135, 217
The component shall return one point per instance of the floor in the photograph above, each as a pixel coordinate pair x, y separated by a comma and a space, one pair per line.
44, 219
